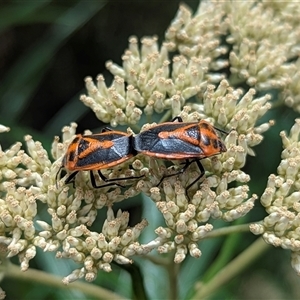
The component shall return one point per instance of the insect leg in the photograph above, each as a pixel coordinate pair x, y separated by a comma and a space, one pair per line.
71, 178
220, 130
56, 177
187, 163
93, 181
117, 179
105, 129
202, 172
177, 118
111, 181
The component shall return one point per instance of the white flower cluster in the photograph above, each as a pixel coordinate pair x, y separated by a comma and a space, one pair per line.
265, 38
96, 251
262, 48
22, 180
153, 83
199, 35
281, 228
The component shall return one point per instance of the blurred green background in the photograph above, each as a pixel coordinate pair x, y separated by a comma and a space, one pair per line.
47, 48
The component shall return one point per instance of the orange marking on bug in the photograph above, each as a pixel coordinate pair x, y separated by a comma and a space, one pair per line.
202, 135
94, 146
96, 152
85, 147
180, 133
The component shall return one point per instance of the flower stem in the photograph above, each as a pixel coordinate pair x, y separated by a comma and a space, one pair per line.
235, 267
32, 275
228, 230
173, 271
166, 117
158, 260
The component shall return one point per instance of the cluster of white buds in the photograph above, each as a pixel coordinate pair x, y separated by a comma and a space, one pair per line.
263, 49
17, 212
281, 227
233, 109
117, 242
154, 83
291, 93
199, 35
22, 179
186, 220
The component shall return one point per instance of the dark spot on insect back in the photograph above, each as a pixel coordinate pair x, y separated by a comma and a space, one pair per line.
71, 155
205, 126
76, 140
193, 132
216, 143
205, 140
83, 145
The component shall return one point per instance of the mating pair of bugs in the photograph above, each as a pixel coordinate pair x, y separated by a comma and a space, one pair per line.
179, 140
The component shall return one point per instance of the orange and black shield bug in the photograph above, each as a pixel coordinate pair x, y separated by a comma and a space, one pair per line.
96, 152
181, 141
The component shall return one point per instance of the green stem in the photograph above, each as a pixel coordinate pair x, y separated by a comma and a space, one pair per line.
235, 267
173, 271
135, 128
137, 281
227, 251
166, 117
228, 230
32, 275
278, 103
157, 260
235, 80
